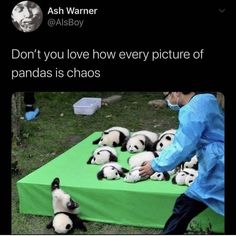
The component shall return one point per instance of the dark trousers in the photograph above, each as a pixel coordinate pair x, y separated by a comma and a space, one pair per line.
184, 211
29, 98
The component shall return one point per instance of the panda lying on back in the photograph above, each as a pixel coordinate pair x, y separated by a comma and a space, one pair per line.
65, 211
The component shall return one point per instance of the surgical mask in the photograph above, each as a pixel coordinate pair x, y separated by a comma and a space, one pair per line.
174, 107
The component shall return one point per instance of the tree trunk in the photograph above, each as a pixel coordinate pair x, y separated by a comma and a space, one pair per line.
15, 115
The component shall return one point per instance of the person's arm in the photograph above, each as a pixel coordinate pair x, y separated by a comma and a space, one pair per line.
184, 144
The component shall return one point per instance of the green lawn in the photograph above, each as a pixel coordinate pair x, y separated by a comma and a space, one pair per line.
57, 129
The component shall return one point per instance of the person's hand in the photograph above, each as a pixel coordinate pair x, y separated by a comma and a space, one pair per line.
146, 169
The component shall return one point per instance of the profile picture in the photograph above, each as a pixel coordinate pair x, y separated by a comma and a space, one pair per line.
27, 16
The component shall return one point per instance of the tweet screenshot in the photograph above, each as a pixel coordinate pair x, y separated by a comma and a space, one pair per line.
115, 118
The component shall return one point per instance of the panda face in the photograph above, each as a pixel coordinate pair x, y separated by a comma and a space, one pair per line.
111, 173
164, 142
136, 144
103, 155
110, 139
192, 174
186, 176
62, 224
100, 157
157, 176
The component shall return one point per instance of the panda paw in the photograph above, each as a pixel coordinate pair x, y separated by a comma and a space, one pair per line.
55, 184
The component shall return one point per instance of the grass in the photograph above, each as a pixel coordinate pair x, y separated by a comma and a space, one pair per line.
57, 129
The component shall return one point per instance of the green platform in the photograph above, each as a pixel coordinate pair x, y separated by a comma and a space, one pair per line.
146, 204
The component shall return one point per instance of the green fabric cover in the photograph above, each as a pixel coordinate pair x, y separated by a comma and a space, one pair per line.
147, 203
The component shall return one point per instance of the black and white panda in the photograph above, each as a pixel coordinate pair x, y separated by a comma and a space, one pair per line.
111, 171
103, 155
138, 159
133, 176
140, 141
65, 218
160, 176
165, 140
185, 177
191, 176
193, 163
113, 137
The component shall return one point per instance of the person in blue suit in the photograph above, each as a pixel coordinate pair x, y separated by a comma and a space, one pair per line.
201, 132
30, 112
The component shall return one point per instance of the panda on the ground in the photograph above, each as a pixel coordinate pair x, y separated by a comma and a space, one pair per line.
140, 141
65, 218
165, 139
103, 155
111, 171
113, 137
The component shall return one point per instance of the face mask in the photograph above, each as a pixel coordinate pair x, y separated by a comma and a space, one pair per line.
174, 107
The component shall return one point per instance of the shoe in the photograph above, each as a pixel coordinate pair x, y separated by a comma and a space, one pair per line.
31, 115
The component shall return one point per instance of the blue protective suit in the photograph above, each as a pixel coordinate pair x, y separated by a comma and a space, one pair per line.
201, 131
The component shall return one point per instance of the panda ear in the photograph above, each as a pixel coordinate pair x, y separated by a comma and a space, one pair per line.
195, 166
105, 132
89, 160
124, 170
114, 144
166, 175
174, 180
112, 157
149, 146
154, 145
96, 141
100, 175
155, 154
123, 147
122, 138
121, 174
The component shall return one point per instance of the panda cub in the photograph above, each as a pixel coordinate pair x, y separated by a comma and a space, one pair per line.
160, 176
140, 141
113, 137
138, 159
165, 140
185, 177
133, 176
65, 218
103, 155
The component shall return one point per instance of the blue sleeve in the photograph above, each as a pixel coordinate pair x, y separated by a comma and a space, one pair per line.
191, 127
